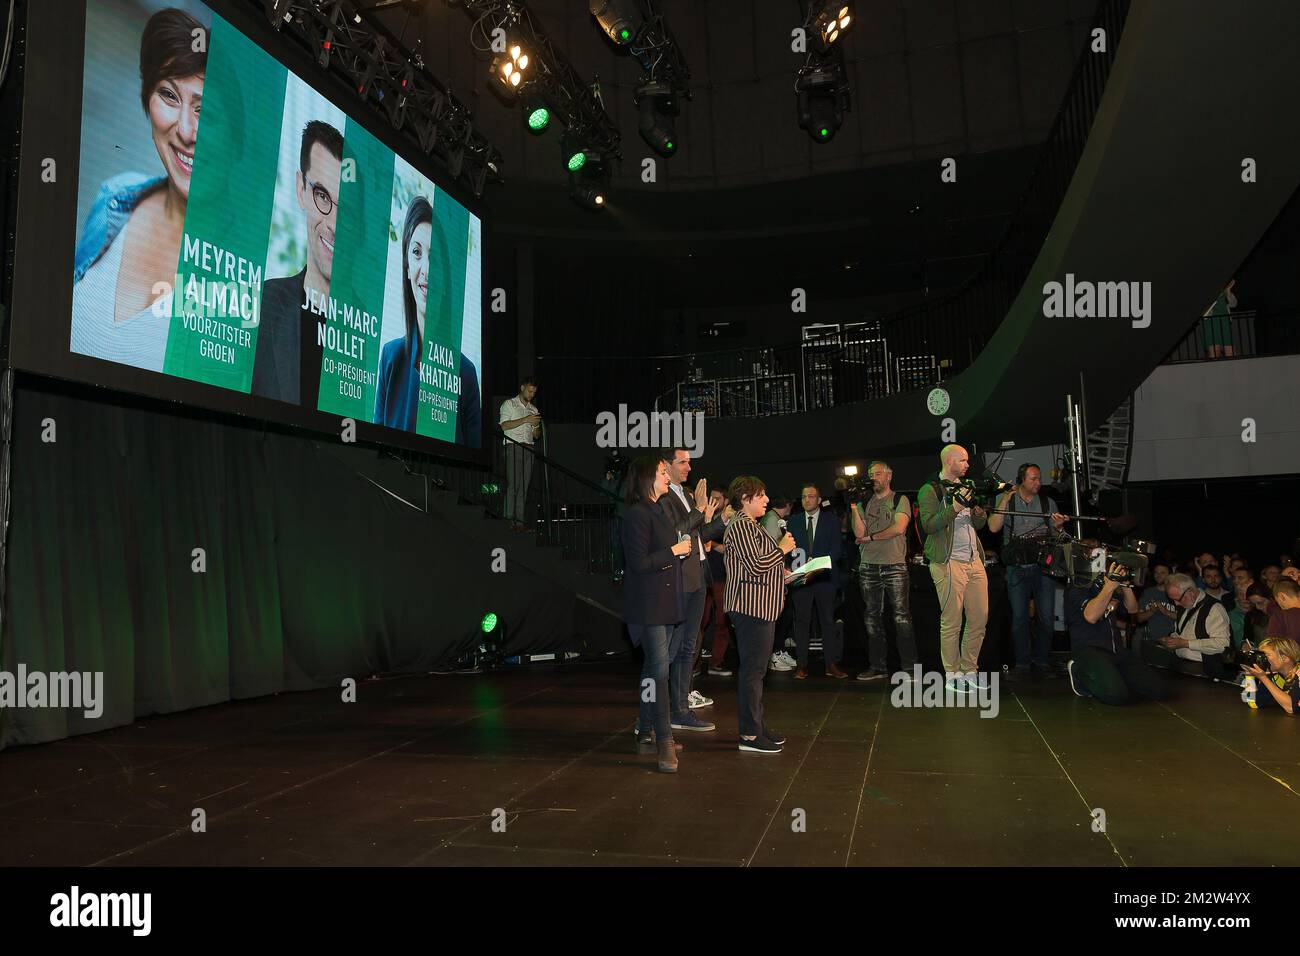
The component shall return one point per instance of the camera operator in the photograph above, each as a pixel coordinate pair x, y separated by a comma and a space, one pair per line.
1202, 630
1097, 667
880, 530
1032, 522
1281, 679
957, 567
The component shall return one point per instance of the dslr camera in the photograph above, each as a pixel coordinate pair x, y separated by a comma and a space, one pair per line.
1247, 657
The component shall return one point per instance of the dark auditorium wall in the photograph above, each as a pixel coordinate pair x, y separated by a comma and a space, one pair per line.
313, 573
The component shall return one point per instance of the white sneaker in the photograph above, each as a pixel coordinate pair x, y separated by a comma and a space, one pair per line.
787, 659
956, 684
976, 681
696, 699
777, 663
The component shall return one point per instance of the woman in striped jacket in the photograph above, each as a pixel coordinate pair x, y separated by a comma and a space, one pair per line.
753, 599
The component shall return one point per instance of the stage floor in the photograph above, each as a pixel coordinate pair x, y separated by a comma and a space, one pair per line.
417, 771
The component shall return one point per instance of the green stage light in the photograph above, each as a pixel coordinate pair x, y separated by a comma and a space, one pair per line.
539, 119
577, 161
489, 623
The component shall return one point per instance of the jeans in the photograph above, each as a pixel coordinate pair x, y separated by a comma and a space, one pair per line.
685, 647
821, 597
1025, 581
881, 584
1115, 678
961, 586
654, 640
519, 469
754, 645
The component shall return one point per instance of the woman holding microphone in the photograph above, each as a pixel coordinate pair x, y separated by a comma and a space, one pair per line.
753, 599
652, 599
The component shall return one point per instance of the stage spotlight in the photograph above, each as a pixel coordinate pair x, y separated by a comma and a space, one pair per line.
492, 641
620, 19
574, 151
657, 104
537, 116
511, 70
828, 21
589, 185
822, 101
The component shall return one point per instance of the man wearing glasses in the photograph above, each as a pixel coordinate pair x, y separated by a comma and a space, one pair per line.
1202, 629
287, 367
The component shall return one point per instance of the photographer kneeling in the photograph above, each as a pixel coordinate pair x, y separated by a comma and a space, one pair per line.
1099, 667
1281, 680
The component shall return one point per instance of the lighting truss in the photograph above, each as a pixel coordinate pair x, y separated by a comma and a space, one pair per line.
571, 99
391, 78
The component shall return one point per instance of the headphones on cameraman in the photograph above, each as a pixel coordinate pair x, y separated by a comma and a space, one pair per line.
1020, 475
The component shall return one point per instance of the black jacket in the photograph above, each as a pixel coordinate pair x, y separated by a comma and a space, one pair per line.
695, 571
652, 574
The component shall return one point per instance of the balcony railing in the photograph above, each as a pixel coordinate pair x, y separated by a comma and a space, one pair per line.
1244, 334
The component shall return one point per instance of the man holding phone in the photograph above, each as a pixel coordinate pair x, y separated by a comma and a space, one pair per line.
522, 425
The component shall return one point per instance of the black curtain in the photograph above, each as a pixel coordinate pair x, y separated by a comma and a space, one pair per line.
312, 573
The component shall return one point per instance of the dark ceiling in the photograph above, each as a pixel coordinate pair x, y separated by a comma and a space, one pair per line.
930, 78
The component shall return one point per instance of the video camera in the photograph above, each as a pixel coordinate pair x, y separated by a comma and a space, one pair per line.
855, 488
1086, 565
973, 493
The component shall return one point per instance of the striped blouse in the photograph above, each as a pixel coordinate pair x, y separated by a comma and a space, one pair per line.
755, 570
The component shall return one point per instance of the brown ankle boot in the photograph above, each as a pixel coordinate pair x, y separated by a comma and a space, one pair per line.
667, 756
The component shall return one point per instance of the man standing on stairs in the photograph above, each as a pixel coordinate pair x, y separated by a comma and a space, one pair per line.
522, 425
696, 520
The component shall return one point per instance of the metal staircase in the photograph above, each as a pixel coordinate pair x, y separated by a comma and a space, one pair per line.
1109, 449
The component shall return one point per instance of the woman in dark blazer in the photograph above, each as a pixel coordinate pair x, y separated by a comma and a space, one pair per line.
754, 596
397, 397
652, 599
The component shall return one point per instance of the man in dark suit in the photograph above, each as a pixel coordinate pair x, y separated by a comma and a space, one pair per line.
292, 306
816, 534
694, 517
